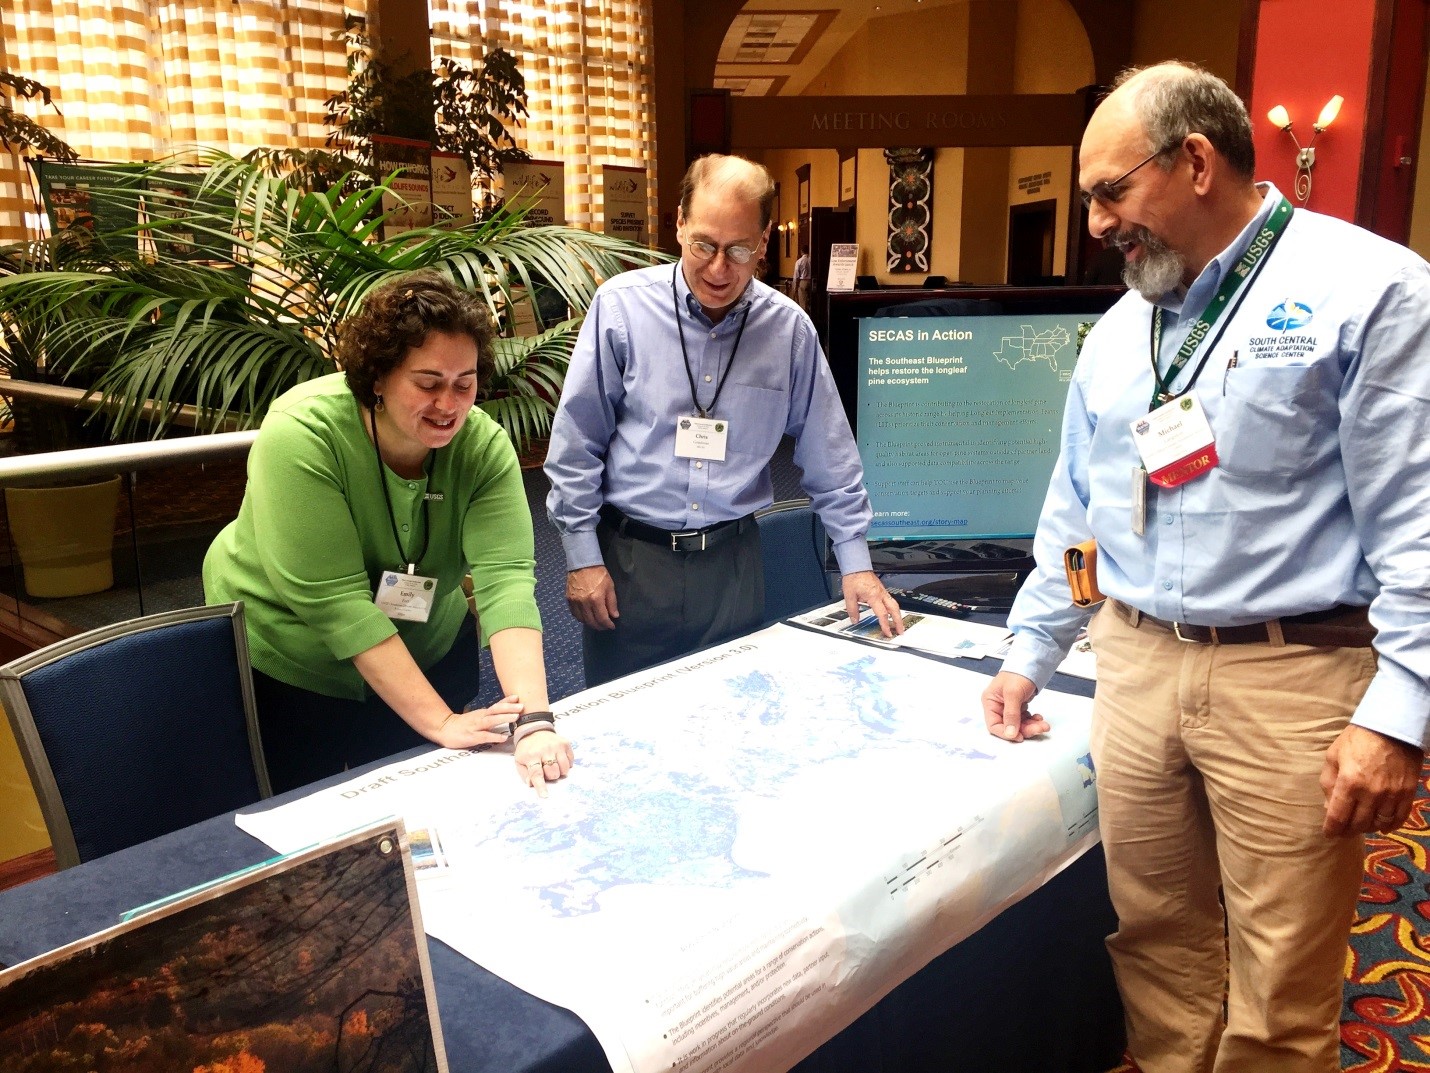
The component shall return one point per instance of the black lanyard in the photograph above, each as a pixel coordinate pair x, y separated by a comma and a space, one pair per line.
704, 411
1220, 310
416, 561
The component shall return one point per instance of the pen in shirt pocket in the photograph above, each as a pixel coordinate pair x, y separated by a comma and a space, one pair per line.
1229, 367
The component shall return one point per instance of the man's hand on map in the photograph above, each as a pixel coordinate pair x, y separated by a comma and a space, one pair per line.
864, 587
541, 758
1005, 708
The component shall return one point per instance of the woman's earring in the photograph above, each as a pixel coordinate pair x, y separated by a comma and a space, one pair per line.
379, 407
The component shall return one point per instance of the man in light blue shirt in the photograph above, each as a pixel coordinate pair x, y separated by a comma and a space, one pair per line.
1245, 731
681, 385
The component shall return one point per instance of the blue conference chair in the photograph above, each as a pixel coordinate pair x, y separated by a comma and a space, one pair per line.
137, 729
792, 544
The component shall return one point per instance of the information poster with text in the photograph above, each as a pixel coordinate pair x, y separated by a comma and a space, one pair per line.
959, 420
539, 186
623, 200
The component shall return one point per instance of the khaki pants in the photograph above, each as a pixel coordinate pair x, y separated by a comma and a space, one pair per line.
1208, 763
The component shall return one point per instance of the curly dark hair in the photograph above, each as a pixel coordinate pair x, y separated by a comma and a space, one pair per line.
396, 317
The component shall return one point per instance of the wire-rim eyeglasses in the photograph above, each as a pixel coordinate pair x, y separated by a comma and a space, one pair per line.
1109, 193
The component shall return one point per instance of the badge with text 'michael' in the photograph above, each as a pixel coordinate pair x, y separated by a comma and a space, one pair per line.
1175, 442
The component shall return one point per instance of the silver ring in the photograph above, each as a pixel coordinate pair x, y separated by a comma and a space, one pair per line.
553, 760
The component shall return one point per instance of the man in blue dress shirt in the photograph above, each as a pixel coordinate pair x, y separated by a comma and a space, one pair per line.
681, 385
1245, 439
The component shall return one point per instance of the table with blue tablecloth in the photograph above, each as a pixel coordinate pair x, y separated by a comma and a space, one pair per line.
1032, 990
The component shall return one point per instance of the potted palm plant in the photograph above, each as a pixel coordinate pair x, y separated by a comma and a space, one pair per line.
230, 330
62, 533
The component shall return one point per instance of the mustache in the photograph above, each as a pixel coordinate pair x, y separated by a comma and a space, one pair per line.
1122, 241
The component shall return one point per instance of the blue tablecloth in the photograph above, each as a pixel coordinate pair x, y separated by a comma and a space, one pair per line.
1033, 991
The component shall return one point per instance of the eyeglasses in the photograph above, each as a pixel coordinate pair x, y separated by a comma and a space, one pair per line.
703, 251
1110, 193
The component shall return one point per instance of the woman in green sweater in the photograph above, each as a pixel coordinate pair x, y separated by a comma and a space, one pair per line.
371, 494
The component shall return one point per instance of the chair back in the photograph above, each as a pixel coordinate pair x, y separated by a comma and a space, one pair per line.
137, 729
792, 544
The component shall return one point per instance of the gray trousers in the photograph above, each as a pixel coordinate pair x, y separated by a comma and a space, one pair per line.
673, 602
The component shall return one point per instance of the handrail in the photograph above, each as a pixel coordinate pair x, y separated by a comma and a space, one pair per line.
125, 457
61, 395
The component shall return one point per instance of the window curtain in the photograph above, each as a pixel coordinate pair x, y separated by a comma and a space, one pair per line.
587, 65
137, 79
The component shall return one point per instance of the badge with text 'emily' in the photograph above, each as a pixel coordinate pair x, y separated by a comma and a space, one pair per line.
1175, 442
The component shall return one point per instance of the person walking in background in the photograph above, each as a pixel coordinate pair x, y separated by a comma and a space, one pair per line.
371, 493
1263, 655
802, 279
682, 383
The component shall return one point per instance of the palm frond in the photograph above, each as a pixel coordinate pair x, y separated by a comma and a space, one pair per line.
267, 272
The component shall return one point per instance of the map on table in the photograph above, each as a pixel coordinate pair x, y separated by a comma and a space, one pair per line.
741, 829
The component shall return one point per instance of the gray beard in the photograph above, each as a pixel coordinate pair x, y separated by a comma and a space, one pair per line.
1157, 271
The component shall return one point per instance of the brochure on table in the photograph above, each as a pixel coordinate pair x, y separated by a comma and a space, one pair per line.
719, 899
937, 634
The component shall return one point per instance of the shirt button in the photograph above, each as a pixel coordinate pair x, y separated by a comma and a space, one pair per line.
1166, 519
1167, 585
707, 379
712, 335
700, 465
695, 506
412, 486
404, 527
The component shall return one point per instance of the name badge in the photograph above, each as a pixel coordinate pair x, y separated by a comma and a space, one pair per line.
1175, 442
701, 437
405, 596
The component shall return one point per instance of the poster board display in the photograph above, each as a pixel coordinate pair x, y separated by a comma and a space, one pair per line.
539, 186
313, 960
184, 221
843, 266
91, 196
623, 195
408, 198
451, 188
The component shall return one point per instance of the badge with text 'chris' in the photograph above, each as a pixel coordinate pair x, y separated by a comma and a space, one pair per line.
1175, 442
701, 437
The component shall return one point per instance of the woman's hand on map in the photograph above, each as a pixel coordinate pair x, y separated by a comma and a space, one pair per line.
541, 758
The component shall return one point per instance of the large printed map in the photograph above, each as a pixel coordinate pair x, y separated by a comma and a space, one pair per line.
742, 829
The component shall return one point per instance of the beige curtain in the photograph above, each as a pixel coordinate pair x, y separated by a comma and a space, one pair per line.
137, 79
587, 65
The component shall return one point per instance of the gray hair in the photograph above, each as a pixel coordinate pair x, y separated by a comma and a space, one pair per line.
1176, 99
753, 182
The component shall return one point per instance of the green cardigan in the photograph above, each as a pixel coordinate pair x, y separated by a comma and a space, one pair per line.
313, 537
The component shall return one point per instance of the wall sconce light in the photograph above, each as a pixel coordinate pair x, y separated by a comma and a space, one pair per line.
1306, 155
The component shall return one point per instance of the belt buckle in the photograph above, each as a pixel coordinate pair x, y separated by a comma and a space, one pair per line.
1177, 629
684, 534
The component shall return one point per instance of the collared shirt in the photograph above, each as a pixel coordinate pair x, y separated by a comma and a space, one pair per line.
613, 439
1318, 395
314, 535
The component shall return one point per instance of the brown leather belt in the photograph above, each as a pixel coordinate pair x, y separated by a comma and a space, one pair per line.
684, 540
1344, 626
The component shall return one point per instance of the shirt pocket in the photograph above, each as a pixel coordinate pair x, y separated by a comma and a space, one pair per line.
1276, 421
757, 417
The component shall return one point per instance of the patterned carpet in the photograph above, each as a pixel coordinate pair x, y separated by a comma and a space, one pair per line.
1385, 1022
